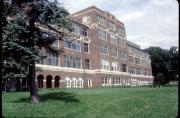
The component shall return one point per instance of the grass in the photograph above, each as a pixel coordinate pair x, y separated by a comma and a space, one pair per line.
138, 102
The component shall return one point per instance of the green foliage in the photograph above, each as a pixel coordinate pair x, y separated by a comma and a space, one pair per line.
23, 39
164, 63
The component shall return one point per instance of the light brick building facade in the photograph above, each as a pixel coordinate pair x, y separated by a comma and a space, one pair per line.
96, 54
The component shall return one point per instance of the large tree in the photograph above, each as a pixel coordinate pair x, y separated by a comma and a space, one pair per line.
164, 63
24, 37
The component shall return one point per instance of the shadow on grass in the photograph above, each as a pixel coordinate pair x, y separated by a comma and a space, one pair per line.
61, 96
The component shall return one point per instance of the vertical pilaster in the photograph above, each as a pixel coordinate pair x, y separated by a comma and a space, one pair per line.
44, 83
53, 83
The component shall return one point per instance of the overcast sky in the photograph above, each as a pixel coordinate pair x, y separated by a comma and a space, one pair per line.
147, 22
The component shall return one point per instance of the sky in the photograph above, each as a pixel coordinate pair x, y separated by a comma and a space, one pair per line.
147, 22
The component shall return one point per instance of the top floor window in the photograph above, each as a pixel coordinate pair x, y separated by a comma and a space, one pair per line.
86, 20
112, 26
75, 28
101, 21
101, 34
121, 30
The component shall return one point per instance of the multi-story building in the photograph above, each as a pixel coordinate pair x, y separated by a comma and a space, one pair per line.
95, 54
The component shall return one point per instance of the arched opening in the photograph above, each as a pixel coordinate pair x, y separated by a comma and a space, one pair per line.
40, 81
80, 83
49, 81
57, 84
68, 82
74, 83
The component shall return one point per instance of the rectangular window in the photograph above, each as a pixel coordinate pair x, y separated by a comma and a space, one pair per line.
104, 64
114, 52
101, 34
86, 20
131, 59
75, 28
72, 62
86, 47
50, 59
122, 42
104, 81
112, 26
131, 70
87, 64
123, 68
84, 32
71, 44
101, 21
137, 61
121, 30
103, 49
114, 66
122, 54
113, 39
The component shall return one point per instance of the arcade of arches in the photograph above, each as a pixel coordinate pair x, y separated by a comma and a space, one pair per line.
48, 81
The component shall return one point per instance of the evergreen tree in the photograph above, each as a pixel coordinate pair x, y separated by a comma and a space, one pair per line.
23, 37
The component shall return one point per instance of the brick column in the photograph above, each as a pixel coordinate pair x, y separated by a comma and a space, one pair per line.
44, 83
53, 83
59, 83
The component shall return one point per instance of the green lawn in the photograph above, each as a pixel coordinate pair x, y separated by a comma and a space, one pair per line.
137, 102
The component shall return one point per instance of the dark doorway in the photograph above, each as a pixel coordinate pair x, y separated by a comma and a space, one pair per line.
49, 81
57, 84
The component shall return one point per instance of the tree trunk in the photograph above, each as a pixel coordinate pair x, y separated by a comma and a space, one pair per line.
33, 87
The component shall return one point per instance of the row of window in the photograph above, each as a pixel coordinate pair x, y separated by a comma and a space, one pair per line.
115, 81
114, 52
77, 83
75, 45
113, 39
138, 71
111, 25
138, 52
69, 61
105, 65
123, 81
74, 83
138, 61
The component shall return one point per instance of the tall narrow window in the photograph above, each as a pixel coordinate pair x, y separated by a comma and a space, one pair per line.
84, 32
103, 49
102, 34
87, 64
86, 47
104, 64
101, 21
75, 28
